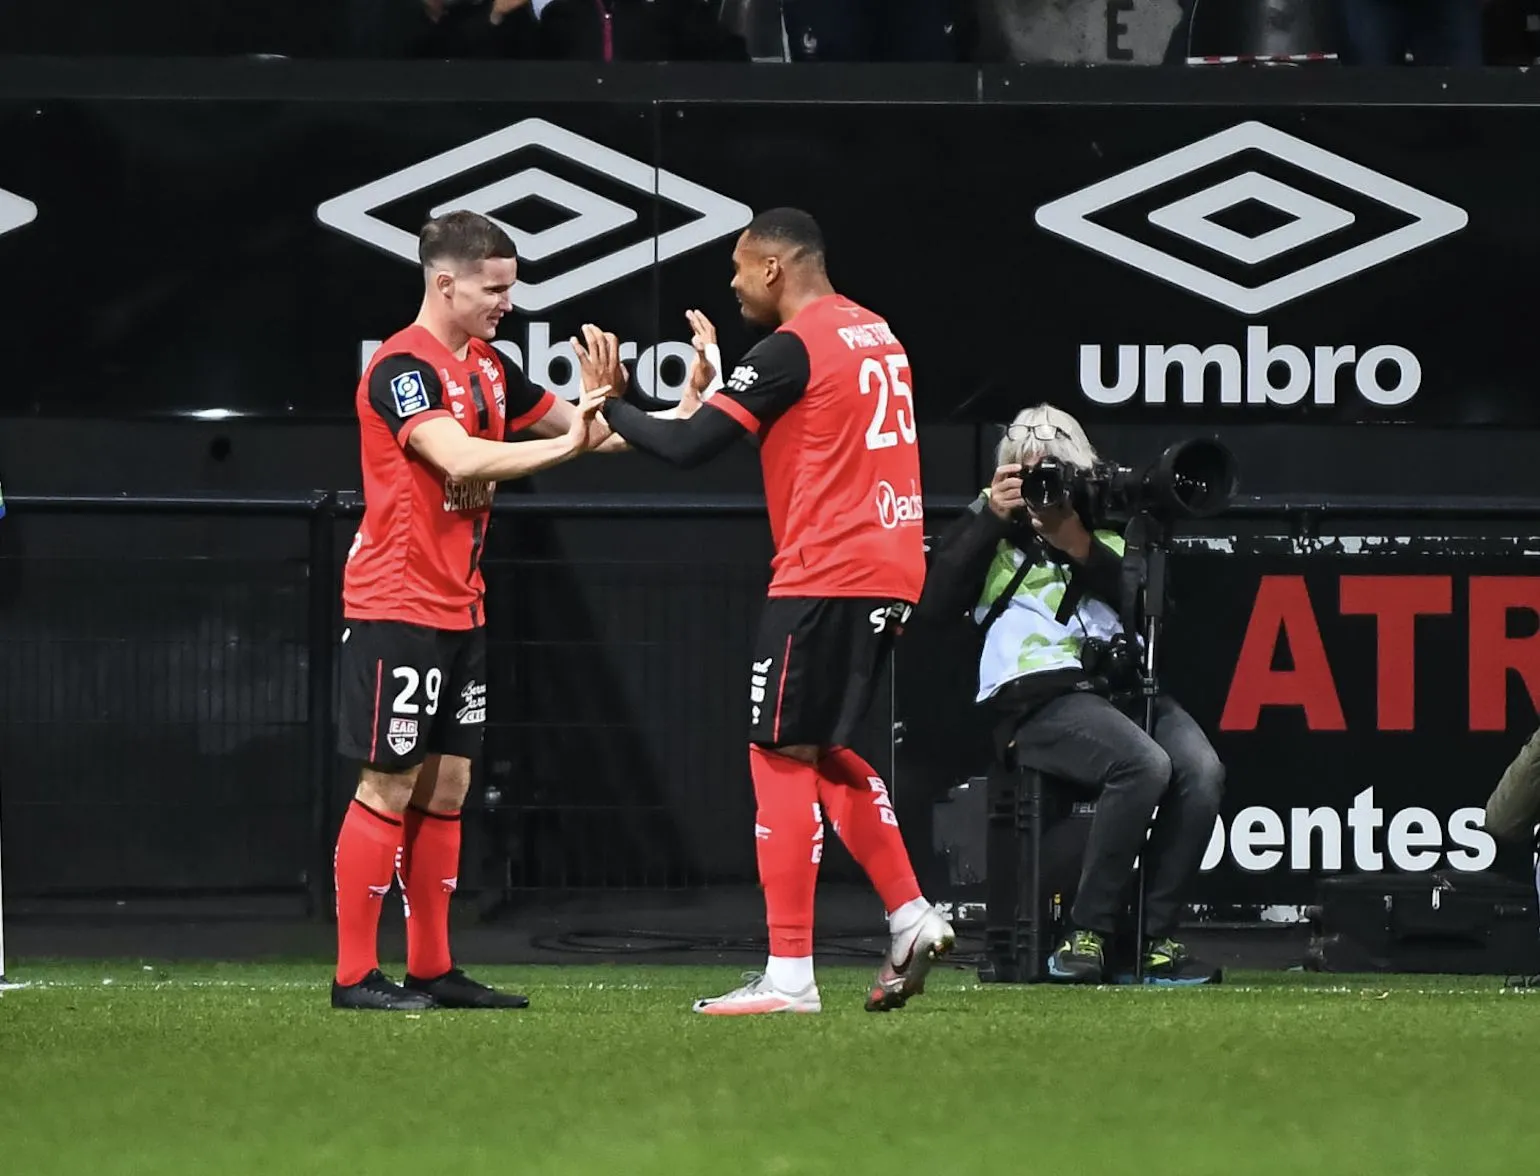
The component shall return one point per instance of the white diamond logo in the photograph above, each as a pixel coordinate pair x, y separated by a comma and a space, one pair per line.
353, 213
15, 212
1311, 218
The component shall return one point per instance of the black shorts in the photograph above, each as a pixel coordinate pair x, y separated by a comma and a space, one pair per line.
408, 691
816, 663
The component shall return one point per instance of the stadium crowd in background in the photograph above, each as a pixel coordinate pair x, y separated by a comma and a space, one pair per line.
1068, 32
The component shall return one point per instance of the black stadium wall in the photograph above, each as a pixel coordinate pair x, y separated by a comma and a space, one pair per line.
1327, 269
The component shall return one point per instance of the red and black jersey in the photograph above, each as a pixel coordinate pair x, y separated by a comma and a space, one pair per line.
828, 394
417, 554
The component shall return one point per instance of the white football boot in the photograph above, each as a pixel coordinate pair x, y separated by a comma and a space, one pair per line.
910, 957
759, 996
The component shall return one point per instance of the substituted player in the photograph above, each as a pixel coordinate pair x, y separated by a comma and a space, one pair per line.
827, 395
436, 408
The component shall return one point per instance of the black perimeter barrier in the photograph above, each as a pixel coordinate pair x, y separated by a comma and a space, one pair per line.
1366, 661
201, 713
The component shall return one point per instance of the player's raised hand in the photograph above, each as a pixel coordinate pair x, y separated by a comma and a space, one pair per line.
615, 373
588, 429
593, 356
599, 360
702, 371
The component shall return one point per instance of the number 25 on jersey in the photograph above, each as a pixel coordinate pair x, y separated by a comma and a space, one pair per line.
884, 380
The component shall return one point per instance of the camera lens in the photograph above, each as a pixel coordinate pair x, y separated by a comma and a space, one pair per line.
1043, 484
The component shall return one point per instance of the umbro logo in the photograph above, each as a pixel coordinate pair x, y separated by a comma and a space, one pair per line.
15, 212
592, 216
1314, 238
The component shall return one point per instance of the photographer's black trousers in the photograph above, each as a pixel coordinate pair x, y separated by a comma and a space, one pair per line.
1085, 740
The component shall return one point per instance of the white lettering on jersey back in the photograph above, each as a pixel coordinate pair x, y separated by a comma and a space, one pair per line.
866, 335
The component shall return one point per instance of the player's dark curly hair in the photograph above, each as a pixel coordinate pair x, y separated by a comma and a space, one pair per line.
789, 226
462, 238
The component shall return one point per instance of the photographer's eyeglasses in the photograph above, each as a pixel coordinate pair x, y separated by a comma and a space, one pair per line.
1035, 432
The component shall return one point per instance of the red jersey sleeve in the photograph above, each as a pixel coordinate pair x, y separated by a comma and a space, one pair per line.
527, 402
405, 391
767, 381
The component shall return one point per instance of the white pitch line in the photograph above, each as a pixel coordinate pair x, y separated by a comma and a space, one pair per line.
997, 990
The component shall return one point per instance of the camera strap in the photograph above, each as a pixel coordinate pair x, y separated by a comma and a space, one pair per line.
1002, 602
1073, 593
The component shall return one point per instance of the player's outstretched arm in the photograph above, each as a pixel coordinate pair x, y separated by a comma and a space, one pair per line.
771, 378
684, 443
705, 376
446, 445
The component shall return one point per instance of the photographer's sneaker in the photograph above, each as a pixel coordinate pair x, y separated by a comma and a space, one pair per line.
1169, 963
759, 996
1081, 959
913, 952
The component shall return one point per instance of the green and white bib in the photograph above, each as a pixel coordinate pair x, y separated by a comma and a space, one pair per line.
1026, 639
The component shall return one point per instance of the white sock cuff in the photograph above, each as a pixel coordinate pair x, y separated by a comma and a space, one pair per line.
790, 974
908, 915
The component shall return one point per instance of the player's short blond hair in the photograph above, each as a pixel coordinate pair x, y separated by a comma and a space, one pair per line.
1045, 431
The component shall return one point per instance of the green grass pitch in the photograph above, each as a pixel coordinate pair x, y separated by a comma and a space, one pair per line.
126, 1067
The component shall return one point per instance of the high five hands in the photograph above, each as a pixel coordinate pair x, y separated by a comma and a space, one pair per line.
599, 363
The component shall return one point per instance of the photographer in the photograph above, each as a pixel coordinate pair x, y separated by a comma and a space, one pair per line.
1064, 681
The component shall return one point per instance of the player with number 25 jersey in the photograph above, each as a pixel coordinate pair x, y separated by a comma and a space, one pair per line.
828, 397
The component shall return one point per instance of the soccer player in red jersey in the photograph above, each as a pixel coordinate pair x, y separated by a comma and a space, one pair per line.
437, 409
827, 395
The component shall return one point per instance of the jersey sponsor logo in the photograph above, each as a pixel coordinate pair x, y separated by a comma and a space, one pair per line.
743, 377
895, 509
402, 735
410, 394
495, 378
473, 704
467, 494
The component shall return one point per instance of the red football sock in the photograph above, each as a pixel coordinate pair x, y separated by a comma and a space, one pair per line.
788, 835
868, 825
368, 848
430, 869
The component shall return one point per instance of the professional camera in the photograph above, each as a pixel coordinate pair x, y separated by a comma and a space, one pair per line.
1191, 479
1115, 662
